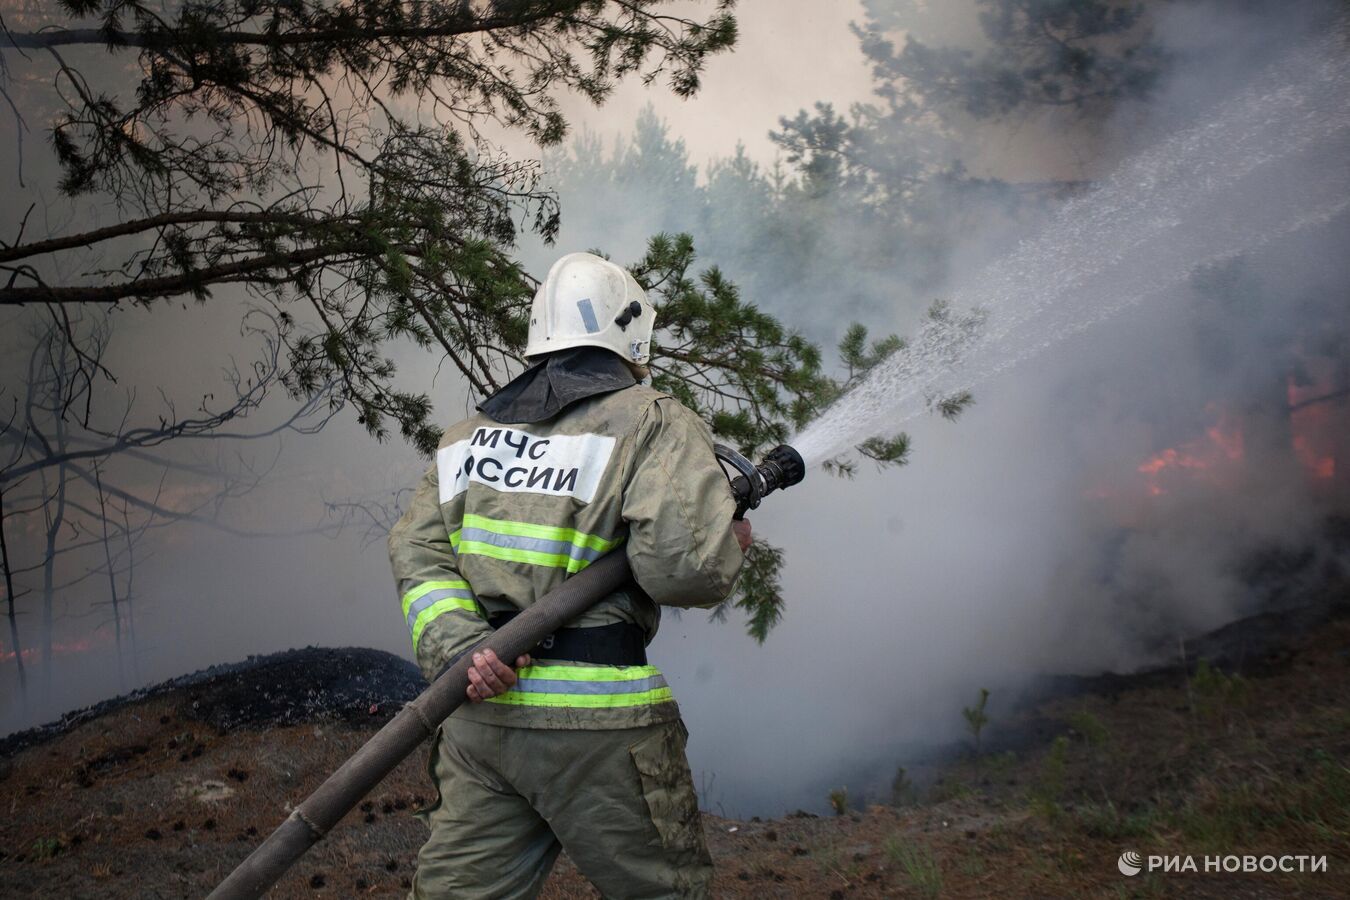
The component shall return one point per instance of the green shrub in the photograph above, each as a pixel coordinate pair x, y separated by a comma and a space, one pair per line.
45, 848
903, 792
1089, 728
1050, 782
1107, 822
919, 865
1215, 695
976, 718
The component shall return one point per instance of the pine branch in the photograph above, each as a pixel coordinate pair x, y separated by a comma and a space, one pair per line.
151, 223
256, 269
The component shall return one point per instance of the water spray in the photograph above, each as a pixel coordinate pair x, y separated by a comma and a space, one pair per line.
1266, 163
421, 718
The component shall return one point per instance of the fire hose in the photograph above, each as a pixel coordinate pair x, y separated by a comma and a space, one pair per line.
419, 719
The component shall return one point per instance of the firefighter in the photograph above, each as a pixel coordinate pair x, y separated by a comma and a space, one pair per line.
580, 746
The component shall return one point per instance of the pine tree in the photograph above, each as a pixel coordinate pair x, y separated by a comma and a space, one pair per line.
1083, 55
278, 146
247, 151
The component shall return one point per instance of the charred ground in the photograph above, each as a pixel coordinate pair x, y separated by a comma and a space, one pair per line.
159, 794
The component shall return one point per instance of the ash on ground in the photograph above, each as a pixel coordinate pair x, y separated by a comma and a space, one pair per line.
342, 684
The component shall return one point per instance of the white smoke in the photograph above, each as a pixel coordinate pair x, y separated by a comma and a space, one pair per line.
1029, 537
1021, 540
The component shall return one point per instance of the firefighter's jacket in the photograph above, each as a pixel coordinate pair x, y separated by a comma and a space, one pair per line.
509, 511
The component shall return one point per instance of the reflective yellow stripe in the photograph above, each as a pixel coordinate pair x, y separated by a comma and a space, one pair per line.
526, 542
427, 587
431, 599
547, 532
583, 701
532, 557
590, 673
587, 687
437, 609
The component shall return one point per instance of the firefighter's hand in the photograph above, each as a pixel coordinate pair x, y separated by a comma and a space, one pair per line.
489, 676
741, 528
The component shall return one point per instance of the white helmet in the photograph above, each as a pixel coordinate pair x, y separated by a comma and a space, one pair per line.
587, 301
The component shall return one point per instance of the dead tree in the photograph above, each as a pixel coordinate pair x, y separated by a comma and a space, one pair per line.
69, 447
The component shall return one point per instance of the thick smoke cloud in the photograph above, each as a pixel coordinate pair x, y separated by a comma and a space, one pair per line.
1103, 500
1029, 537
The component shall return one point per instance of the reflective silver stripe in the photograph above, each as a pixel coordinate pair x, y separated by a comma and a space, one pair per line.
555, 686
426, 600
588, 315
539, 545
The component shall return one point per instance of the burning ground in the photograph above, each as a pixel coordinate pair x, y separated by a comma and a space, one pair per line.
159, 794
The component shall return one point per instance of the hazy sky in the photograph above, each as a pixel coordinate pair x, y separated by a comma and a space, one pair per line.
791, 53
794, 53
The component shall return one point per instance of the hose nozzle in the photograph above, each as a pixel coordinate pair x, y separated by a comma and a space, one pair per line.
782, 467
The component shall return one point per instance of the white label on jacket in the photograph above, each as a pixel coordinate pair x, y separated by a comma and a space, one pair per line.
507, 459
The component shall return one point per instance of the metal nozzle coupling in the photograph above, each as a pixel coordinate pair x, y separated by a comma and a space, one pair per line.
782, 467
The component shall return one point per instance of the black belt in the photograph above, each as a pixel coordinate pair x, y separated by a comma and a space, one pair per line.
620, 644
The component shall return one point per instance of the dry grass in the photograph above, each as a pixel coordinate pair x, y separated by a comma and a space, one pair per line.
147, 802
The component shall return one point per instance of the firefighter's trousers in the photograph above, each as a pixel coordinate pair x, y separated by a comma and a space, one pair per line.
620, 802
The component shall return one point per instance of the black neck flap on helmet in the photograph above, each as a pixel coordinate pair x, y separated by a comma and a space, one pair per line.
555, 382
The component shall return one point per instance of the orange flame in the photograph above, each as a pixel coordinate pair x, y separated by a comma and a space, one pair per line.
1222, 443
1312, 426
59, 648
